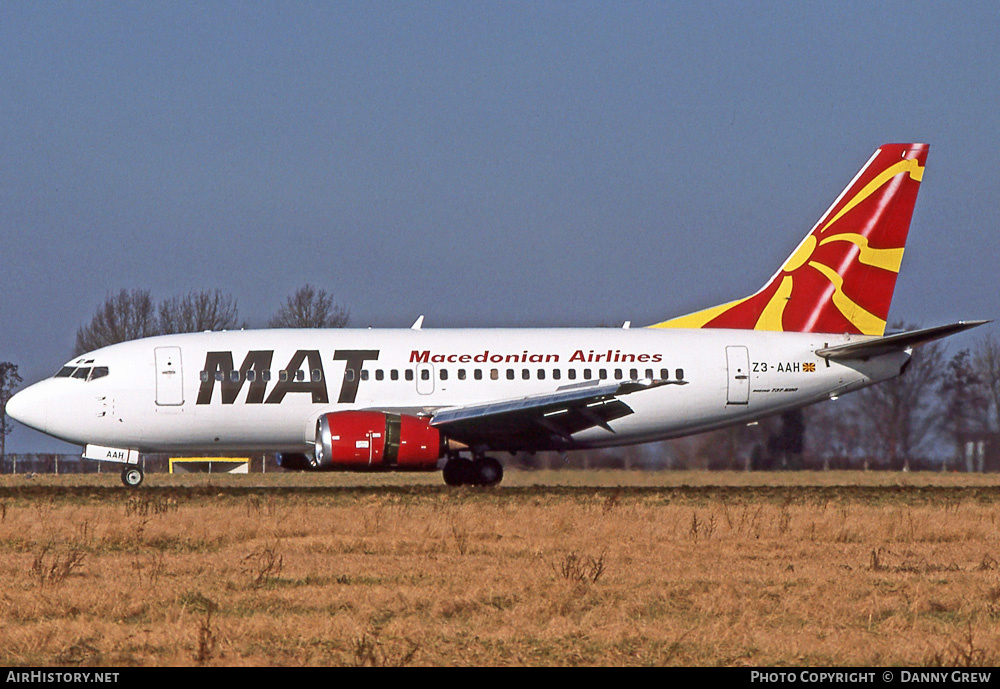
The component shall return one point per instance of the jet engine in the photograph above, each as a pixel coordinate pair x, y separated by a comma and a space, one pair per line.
376, 441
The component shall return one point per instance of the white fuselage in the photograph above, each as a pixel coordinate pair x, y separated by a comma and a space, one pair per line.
186, 393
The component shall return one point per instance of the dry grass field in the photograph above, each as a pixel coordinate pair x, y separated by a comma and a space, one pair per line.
566, 568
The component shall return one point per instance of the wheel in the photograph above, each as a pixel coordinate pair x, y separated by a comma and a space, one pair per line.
489, 472
132, 476
457, 472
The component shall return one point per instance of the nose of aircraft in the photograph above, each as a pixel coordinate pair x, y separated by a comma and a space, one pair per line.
30, 407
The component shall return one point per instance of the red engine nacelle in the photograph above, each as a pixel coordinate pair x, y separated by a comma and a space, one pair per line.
376, 441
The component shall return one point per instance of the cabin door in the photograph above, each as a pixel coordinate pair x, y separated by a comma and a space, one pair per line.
738, 366
169, 381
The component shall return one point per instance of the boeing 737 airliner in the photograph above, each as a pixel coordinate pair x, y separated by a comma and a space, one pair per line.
415, 399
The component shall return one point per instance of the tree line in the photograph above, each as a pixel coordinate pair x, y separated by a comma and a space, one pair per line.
915, 420
937, 404
9, 380
132, 314
935, 408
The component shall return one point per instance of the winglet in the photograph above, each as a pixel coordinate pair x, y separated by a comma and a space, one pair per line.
419, 323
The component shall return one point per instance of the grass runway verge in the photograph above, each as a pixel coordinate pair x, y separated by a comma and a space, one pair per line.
553, 568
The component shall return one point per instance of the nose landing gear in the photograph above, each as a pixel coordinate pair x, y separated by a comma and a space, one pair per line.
132, 476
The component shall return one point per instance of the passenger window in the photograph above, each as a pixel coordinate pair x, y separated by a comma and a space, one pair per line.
618, 374
379, 374
364, 374
603, 373
525, 374
349, 374
649, 373
317, 375
409, 374
461, 374
219, 376
251, 376
300, 376
664, 374
478, 374
444, 374
634, 374
541, 374
586, 374
204, 376
494, 374
394, 374
510, 374
234, 376
571, 374
283, 376
425, 374
680, 373
265, 375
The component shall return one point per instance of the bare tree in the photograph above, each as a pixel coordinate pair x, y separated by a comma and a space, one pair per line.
986, 358
833, 434
127, 315
898, 417
9, 379
198, 311
309, 308
966, 400
786, 442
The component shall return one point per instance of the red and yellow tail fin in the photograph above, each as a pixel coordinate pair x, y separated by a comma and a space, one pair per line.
841, 277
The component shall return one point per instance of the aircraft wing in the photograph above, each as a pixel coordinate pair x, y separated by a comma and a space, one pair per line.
894, 343
547, 420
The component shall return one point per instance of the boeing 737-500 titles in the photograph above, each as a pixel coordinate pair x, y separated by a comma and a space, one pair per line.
425, 399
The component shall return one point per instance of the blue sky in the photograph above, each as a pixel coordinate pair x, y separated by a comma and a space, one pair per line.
485, 164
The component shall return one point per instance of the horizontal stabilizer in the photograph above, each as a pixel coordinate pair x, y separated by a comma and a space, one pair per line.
894, 343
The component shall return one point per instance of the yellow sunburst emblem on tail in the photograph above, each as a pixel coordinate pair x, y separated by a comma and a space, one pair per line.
841, 276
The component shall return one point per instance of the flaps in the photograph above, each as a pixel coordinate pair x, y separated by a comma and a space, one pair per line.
548, 420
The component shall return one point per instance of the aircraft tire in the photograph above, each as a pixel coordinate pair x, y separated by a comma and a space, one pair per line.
132, 476
489, 472
457, 472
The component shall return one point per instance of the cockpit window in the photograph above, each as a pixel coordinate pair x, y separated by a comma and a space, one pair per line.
83, 372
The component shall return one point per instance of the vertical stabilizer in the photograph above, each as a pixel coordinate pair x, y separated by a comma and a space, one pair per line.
841, 277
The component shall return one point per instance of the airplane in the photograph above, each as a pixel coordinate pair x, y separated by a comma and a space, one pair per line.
441, 399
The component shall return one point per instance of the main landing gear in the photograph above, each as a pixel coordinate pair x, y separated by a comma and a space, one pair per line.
478, 471
132, 476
